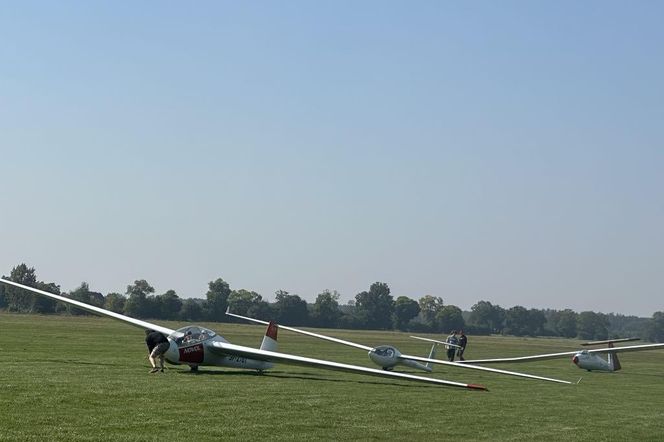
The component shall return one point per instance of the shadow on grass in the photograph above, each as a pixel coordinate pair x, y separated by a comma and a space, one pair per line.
301, 376
70, 362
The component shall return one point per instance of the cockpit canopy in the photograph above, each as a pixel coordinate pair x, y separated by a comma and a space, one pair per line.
190, 335
385, 351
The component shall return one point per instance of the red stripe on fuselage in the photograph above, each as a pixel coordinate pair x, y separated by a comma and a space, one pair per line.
193, 353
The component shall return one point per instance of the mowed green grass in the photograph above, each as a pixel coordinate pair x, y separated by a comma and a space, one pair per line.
86, 378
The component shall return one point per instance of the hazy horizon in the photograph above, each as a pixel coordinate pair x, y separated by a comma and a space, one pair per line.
510, 152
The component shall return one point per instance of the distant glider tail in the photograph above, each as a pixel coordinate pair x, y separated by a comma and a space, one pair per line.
432, 355
614, 362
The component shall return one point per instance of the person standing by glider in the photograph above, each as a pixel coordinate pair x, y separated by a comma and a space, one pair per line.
451, 349
157, 345
463, 341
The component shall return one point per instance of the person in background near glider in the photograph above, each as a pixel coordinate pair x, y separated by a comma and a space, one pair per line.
451, 349
157, 345
463, 340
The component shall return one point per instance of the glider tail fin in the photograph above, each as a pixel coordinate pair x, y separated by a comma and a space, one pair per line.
432, 355
270, 339
614, 362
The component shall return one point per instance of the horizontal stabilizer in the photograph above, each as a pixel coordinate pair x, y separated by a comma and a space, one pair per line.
611, 341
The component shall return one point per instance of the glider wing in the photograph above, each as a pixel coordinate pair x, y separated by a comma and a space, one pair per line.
304, 332
93, 309
272, 356
566, 354
477, 367
627, 349
436, 341
522, 358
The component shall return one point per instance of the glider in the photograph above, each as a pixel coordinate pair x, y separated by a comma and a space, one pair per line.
590, 360
388, 356
204, 347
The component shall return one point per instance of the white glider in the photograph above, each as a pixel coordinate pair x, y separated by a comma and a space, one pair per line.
387, 356
585, 359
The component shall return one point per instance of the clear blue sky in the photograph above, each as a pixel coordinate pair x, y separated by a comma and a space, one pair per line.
503, 151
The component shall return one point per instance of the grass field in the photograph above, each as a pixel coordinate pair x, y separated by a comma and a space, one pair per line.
86, 378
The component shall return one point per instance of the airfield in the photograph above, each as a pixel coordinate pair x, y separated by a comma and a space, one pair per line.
86, 378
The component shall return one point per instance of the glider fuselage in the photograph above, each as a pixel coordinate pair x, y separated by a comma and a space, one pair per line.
192, 346
592, 362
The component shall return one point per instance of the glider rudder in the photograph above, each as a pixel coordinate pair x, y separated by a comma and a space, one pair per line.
270, 339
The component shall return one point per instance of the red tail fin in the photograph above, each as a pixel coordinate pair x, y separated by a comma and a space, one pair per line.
270, 339
272, 330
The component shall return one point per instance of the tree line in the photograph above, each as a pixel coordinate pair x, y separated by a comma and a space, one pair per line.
374, 309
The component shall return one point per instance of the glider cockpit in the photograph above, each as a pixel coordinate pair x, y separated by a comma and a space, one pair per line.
186, 336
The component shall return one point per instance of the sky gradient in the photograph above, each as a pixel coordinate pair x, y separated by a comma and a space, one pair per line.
503, 151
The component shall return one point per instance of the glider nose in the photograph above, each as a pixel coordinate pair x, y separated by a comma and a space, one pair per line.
575, 359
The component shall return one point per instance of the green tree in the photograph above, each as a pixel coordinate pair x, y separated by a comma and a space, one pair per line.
591, 325
516, 321
18, 300
240, 301
405, 309
536, 322
80, 294
138, 304
450, 318
3, 300
291, 309
564, 323
430, 306
192, 310
325, 311
115, 302
217, 299
487, 316
42, 304
654, 331
261, 310
375, 307
169, 305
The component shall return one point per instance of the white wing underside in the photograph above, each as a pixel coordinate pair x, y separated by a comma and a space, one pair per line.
91, 308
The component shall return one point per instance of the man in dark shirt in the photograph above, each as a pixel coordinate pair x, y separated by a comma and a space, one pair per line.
463, 340
157, 345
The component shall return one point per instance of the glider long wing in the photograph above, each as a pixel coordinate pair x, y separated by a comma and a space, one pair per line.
272, 356
521, 358
566, 354
91, 308
416, 358
627, 349
436, 341
477, 367
304, 332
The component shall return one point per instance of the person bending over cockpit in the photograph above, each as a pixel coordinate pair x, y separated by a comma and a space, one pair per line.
157, 345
